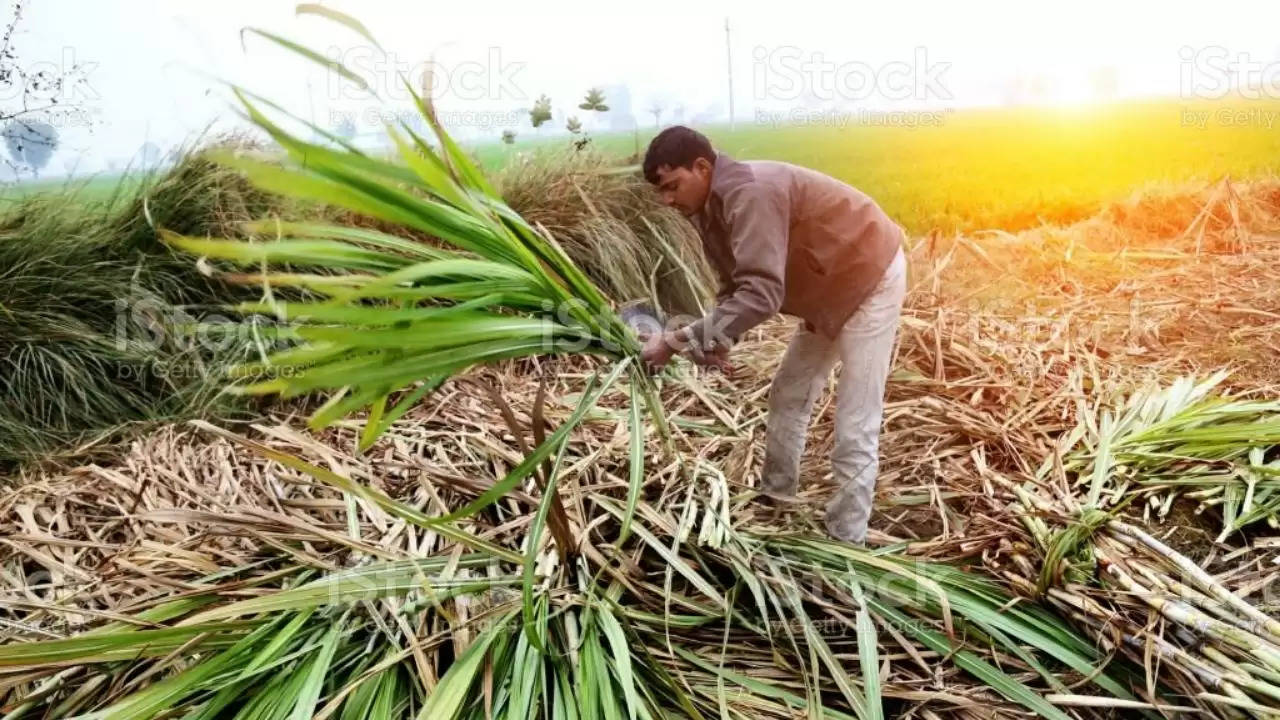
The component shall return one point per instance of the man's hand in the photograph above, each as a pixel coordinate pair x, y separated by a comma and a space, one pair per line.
716, 358
657, 351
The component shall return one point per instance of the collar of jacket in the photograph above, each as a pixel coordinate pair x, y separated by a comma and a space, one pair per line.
725, 173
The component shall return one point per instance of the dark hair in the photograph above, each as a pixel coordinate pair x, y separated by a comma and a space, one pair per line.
677, 146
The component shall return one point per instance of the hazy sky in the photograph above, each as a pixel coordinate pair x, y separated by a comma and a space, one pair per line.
154, 66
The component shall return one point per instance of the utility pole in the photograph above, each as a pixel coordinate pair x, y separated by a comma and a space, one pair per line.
728, 53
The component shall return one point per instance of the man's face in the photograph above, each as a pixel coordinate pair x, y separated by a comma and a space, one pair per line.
685, 189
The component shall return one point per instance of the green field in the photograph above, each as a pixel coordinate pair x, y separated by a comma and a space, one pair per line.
93, 188
1005, 168
977, 169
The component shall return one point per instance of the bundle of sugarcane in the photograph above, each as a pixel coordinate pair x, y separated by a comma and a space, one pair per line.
1140, 597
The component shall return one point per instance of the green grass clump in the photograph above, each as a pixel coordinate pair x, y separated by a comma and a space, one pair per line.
92, 306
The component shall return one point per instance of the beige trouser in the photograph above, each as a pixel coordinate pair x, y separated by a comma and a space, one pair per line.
865, 347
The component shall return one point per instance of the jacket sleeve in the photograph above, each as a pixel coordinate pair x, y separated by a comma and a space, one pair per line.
757, 215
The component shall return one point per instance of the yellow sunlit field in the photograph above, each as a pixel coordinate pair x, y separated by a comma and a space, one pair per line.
1008, 168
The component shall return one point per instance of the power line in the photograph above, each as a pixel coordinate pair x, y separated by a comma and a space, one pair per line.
728, 54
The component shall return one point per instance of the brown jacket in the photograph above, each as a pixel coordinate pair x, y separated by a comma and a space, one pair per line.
788, 239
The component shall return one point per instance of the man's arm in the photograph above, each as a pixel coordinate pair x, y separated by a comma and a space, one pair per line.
758, 216
725, 287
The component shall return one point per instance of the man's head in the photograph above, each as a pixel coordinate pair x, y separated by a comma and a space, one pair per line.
679, 163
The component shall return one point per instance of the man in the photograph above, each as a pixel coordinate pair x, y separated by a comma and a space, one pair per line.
787, 239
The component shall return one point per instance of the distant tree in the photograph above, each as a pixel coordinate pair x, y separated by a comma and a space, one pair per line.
30, 143
541, 111
509, 136
594, 101
40, 101
573, 124
656, 109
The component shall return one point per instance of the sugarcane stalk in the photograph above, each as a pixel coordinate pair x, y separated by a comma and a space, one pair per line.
1204, 602
1271, 675
1187, 663
1238, 703
1192, 618
1202, 578
1034, 525
1188, 594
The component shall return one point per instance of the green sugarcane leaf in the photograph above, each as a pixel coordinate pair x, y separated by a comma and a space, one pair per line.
868, 655
760, 687
534, 630
819, 647
322, 132
466, 171
421, 158
355, 235
454, 689
309, 694
373, 424
406, 403
318, 253
279, 640
358, 315
108, 646
612, 630
971, 663
311, 188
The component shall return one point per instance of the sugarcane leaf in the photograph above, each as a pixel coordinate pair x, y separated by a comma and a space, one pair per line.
339, 17
373, 424
454, 689
536, 631
466, 171
106, 646
621, 657
318, 668
971, 663
357, 236
868, 655
635, 468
